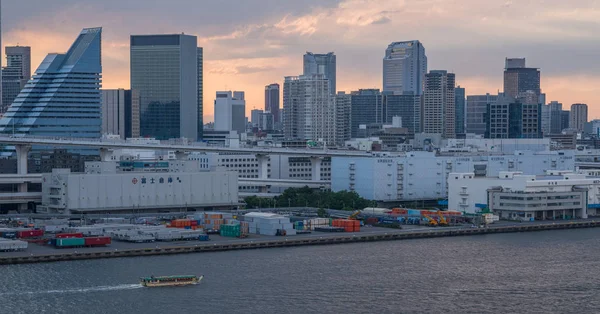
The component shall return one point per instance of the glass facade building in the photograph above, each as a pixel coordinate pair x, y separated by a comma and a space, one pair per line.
404, 67
407, 107
476, 109
167, 72
366, 107
62, 99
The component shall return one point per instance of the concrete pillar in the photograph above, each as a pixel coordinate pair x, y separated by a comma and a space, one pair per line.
316, 168
105, 154
263, 166
22, 151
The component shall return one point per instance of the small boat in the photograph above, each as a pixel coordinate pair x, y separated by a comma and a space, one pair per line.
166, 281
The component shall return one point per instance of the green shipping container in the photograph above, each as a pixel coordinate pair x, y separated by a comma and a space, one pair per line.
230, 230
68, 242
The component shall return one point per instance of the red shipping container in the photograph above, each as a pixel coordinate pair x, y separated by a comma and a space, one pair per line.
69, 235
194, 223
97, 241
23, 234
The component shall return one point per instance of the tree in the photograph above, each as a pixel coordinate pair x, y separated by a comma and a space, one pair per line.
322, 212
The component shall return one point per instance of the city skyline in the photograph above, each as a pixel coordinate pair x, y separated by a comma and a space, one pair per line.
261, 47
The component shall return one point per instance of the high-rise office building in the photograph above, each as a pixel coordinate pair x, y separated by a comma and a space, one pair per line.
519, 79
16, 73
553, 113
272, 101
167, 72
404, 67
343, 109
510, 118
324, 64
476, 109
578, 116
120, 112
308, 108
366, 107
48, 105
230, 112
459, 102
438, 104
406, 106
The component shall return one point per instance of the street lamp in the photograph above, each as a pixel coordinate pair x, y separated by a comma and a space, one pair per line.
289, 203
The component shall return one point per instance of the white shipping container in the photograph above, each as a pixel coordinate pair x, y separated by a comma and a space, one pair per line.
13, 245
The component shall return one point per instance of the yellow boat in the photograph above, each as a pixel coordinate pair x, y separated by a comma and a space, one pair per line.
167, 281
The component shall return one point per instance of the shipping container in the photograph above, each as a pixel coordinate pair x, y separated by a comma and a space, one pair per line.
203, 237
9, 234
97, 241
24, 234
70, 242
230, 230
69, 235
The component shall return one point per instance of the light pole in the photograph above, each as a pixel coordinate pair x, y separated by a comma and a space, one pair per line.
289, 203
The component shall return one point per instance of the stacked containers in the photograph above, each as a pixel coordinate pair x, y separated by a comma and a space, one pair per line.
347, 224
317, 223
299, 225
230, 230
268, 224
244, 227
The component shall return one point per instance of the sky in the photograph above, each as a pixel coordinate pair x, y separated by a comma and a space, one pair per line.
252, 43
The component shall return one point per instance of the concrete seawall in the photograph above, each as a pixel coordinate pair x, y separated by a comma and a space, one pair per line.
288, 242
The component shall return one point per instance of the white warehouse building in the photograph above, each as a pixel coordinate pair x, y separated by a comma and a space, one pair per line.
137, 186
423, 175
515, 196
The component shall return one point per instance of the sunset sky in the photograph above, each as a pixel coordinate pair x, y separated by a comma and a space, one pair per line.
251, 43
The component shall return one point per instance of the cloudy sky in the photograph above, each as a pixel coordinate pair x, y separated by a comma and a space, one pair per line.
252, 43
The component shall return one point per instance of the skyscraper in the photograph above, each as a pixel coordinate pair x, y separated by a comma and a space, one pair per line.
272, 101
438, 104
308, 108
459, 102
120, 112
167, 72
578, 116
476, 109
366, 107
230, 112
404, 67
16, 74
321, 64
519, 79
48, 105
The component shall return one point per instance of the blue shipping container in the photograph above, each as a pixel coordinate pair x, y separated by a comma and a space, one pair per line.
414, 212
203, 237
9, 235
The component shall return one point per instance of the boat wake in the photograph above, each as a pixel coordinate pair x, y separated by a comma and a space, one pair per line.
78, 290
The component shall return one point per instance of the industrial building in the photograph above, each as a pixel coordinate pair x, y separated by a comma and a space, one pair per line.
516, 196
423, 175
137, 186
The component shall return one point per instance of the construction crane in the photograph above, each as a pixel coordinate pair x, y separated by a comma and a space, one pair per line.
432, 222
443, 221
354, 215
